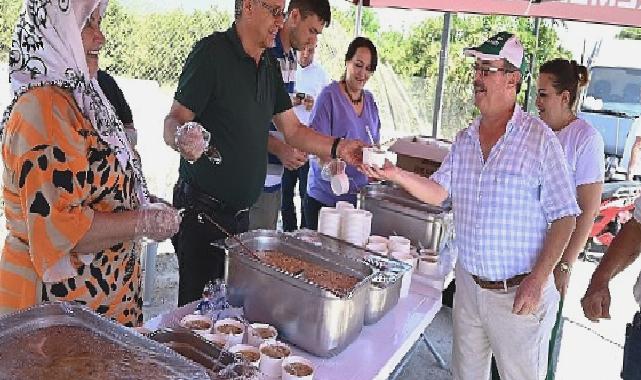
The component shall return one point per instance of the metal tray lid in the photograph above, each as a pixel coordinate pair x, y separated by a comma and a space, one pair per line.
355, 267
396, 197
71, 314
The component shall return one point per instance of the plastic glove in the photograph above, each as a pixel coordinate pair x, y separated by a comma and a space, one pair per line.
190, 140
157, 221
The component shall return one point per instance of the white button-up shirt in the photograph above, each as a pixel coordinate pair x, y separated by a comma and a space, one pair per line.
503, 206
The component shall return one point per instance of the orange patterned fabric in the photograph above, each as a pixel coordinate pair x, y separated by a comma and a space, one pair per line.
57, 172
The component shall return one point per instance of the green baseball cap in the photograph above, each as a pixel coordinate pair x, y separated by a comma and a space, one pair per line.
503, 45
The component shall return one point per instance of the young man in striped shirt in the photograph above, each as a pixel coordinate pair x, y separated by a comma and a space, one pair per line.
305, 21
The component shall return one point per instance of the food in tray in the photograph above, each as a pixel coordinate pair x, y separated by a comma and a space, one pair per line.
314, 273
298, 369
69, 352
232, 329
260, 332
276, 351
272, 353
265, 332
229, 329
196, 322
250, 355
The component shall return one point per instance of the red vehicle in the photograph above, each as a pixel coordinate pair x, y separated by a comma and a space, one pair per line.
617, 205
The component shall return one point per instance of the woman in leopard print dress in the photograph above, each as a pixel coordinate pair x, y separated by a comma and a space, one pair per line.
75, 199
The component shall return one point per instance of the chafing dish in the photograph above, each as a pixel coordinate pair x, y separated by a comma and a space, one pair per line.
318, 320
395, 212
385, 286
58, 314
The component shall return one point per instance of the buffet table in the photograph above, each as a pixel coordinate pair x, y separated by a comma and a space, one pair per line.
382, 346
378, 349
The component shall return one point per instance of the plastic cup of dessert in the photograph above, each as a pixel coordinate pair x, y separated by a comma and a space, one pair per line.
374, 157
233, 329
272, 354
297, 368
196, 322
260, 332
249, 354
340, 184
217, 340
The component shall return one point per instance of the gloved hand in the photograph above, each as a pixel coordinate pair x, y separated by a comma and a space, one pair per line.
191, 140
157, 221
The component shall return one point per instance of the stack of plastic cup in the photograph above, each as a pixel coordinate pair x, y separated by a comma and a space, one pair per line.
353, 226
367, 226
329, 222
340, 205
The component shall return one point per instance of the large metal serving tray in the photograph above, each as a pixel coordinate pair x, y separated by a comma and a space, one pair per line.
314, 319
64, 314
384, 289
395, 212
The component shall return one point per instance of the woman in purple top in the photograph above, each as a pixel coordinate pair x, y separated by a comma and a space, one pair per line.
344, 109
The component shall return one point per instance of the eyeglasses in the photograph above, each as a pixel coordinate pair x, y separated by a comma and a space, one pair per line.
486, 70
274, 10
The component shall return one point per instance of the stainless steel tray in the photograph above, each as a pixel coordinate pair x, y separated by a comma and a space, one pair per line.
315, 319
222, 364
64, 314
385, 287
397, 212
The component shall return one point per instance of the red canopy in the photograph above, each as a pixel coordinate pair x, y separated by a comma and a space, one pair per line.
614, 12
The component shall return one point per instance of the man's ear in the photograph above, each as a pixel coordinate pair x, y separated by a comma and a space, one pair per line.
514, 78
295, 16
565, 97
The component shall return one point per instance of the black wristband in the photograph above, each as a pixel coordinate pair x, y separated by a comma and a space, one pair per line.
335, 147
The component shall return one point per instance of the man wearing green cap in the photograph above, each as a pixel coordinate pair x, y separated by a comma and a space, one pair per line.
514, 210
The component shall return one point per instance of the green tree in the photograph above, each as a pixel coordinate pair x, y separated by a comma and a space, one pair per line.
9, 9
629, 34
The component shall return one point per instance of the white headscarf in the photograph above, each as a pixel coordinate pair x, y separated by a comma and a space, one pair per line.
47, 49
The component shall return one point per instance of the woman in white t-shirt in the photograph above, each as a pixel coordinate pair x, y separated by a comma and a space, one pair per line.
558, 84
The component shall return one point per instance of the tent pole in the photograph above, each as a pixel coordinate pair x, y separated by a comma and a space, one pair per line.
537, 26
442, 73
359, 18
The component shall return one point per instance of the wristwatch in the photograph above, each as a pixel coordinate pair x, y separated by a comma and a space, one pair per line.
564, 266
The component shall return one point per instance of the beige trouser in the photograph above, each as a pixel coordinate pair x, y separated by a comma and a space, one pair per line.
484, 324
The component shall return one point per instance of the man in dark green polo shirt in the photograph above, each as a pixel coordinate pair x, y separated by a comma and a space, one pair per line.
233, 88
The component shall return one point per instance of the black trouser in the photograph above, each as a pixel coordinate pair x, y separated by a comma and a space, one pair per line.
199, 261
287, 208
312, 208
632, 350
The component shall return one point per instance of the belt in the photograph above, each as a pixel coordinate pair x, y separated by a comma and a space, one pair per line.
502, 284
194, 194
